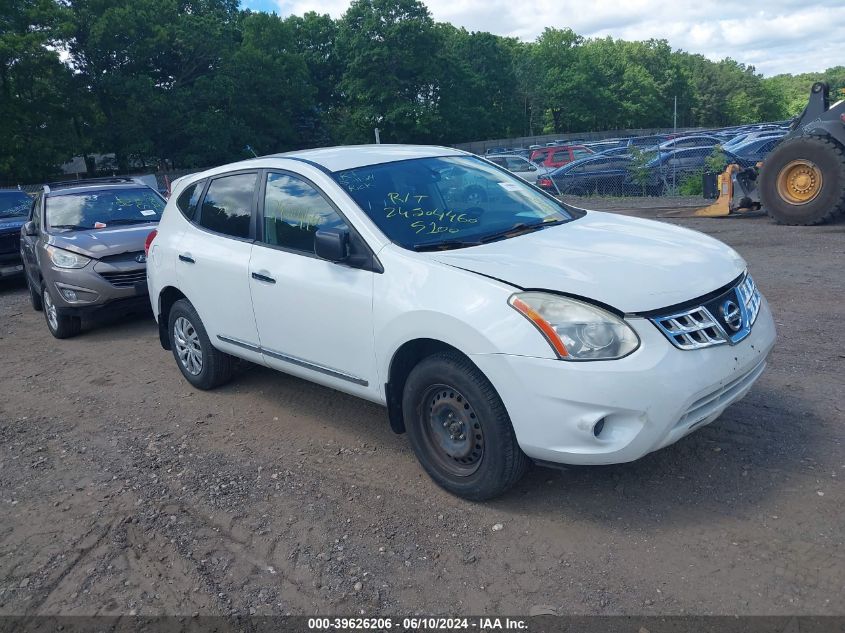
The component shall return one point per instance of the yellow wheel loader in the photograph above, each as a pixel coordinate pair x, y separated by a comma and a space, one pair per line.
802, 180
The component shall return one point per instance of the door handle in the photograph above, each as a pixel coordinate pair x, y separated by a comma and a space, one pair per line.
187, 258
264, 278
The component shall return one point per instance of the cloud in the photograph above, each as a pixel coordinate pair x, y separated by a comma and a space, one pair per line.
775, 36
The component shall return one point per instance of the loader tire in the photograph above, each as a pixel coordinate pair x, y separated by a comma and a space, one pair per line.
802, 181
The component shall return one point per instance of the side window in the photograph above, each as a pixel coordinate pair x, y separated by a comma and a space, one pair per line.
498, 161
293, 211
561, 157
580, 153
189, 199
517, 164
227, 206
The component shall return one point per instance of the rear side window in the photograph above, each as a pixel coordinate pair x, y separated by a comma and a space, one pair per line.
227, 205
561, 157
189, 199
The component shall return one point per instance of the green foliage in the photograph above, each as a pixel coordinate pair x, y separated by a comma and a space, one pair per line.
638, 169
692, 184
716, 161
189, 83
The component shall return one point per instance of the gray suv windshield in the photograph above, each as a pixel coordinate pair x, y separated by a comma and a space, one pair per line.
99, 209
448, 202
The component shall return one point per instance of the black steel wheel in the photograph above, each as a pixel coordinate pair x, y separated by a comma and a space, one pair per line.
452, 431
459, 428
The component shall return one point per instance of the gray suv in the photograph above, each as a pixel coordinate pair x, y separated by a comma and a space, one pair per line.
83, 249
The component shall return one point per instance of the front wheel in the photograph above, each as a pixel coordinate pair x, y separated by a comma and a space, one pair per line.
459, 428
60, 325
202, 364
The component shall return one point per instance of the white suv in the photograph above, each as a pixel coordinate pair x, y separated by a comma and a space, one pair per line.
495, 332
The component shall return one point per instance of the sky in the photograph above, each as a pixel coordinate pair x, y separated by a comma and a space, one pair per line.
775, 36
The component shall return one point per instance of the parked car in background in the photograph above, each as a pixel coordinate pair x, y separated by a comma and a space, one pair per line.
616, 151
599, 174
553, 157
682, 142
83, 249
14, 208
645, 142
741, 139
756, 149
670, 169
522, 167
363, 269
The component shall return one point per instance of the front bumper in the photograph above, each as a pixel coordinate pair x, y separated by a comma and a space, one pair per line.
646, 401
97, 286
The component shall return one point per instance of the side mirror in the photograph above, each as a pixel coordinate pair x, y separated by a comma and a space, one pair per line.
29, 229
532, 167
332, 244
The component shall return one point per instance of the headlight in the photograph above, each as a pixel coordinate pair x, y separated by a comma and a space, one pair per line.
67, 259
576, 330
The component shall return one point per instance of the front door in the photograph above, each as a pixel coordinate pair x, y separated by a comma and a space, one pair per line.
314, 317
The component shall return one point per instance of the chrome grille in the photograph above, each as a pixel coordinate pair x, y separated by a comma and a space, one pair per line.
698, 327
125, 279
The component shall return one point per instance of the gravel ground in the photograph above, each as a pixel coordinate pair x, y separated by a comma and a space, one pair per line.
125, 491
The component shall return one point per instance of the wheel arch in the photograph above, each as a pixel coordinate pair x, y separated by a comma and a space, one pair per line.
166, 298
404, 359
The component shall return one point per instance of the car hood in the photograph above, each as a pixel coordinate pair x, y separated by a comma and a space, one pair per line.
12, 224
99, 243
631, 264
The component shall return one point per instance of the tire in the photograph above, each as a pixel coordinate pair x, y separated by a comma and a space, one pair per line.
202, 364
817, 156
60, 325
34, 296
446, 396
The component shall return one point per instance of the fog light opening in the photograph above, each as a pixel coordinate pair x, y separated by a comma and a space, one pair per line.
598, 427
70, 295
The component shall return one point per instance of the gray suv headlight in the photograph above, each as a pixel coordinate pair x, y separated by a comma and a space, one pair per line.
576, 330
67, 259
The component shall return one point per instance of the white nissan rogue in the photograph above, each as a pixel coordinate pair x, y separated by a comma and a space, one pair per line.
496, 329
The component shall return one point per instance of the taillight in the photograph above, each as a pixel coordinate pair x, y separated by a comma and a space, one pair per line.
149, 242
544, 182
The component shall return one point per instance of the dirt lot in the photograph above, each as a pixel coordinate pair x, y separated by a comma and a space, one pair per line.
123, 490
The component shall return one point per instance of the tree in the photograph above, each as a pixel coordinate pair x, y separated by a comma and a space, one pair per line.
389, 80
37, 91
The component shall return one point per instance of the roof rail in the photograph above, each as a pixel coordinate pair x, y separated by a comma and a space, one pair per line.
49, 186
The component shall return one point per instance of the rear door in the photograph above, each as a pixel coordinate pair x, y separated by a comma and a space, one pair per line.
213, 261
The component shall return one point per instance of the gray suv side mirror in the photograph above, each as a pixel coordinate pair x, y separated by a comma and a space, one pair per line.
29, 229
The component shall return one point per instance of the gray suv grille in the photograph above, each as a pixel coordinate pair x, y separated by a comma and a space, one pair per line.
125, 279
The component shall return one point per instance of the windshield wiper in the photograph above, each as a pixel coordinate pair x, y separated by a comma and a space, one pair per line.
520, 228
131, 221
445, 245
72, 227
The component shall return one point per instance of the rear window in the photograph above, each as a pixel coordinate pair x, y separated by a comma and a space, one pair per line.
189, 199
104, 208
14, 204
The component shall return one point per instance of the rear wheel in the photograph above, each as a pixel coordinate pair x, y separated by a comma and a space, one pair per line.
459, 428
802, 181
60, 325
202, 364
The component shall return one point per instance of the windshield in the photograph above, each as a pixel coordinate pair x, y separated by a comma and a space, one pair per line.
100, 209
14, 204
454, 201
